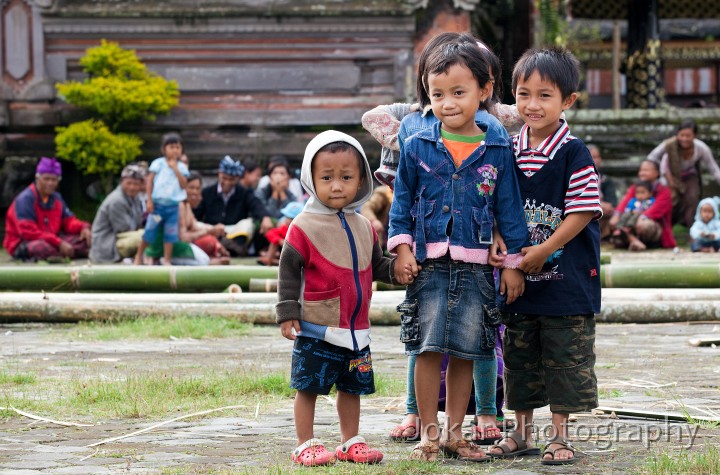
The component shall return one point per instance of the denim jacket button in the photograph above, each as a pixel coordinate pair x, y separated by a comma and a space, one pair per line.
455, 176
445, 208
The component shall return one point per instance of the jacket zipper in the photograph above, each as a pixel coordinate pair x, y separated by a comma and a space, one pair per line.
356, 276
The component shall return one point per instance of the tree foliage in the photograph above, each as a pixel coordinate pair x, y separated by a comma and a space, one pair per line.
119, 90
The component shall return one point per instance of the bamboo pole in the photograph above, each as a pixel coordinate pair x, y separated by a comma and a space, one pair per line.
661, 275
645, 306
132, 278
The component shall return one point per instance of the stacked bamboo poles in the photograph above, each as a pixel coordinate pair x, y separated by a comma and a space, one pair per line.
618, 306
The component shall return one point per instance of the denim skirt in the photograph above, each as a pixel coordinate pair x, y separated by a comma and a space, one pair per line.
450, 308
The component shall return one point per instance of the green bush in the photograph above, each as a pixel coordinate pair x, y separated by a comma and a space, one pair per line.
118, 90
94, 149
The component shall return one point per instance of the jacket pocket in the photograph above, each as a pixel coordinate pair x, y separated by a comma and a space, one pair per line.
322, 308
482, 224
409, 321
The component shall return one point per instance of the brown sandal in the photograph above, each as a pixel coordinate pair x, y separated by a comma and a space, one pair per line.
452, 450
425, 451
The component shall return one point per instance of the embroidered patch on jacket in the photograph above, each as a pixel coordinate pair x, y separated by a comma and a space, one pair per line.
488, 175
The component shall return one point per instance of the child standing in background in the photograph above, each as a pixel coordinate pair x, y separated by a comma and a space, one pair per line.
165, 182
454, 181
548, 345
330, 257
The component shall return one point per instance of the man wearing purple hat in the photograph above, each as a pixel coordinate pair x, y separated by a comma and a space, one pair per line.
39, 225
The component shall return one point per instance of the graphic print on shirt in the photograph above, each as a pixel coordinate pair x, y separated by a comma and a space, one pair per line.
542, 221
488, 173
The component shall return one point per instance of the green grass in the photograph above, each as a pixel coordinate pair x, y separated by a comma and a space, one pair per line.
404, 467
160, 328
157, 393
704, 461
17, 378
610, 393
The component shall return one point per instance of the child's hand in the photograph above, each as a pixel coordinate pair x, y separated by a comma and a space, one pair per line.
498, 250
287, 327
150, 206
172, 162
535, 257
512, 284
405, 274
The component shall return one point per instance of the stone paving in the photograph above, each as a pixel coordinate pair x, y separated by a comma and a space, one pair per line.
649, 367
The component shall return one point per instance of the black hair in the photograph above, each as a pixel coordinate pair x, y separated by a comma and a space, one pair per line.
463, 50
339, 146
250, 164
170, 137
555, 65
194, 176
687, 124
654, 164
644, 184
279, 163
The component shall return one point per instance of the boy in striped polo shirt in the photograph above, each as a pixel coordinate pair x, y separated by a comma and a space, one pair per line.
550, 330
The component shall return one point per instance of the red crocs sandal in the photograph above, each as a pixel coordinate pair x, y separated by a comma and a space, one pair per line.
313, 453
356, 450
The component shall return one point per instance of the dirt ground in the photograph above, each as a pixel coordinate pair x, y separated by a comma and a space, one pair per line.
649, 367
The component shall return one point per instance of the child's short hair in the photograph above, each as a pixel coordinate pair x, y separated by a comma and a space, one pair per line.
555, 65
687, 124
194, 176
335, 147
167, 139
644, 184
464, 52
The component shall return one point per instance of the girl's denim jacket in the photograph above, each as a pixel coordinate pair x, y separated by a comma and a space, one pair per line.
429, 191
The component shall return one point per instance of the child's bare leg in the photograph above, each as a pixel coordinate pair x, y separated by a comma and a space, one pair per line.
305, 415
140, 252
348, 408
427, 388
458, 382
560, 431
167, 253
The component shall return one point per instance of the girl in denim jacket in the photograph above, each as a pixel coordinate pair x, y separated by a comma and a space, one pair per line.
454, 181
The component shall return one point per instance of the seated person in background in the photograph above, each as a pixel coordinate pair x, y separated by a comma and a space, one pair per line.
251, 174
117, 227
377, 211
276, 236
205, 236
228, 203
39, 225
642, 201
295, 187
705, 231
608, 193
276, 194
653, 227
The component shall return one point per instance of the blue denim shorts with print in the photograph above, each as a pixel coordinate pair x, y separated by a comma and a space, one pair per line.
164, 219
450, 308
318, 365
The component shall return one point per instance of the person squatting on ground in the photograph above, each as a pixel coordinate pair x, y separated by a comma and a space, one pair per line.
330, 258
117, 227
384, 124
641, 202
548, 346
654, 226
39, 225
465, 154
680, 158
165, 182
705, 231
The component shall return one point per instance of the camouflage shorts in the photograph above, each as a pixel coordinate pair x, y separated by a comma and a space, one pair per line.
550, 360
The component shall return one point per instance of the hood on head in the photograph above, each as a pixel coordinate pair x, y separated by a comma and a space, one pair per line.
707, 201
313, 204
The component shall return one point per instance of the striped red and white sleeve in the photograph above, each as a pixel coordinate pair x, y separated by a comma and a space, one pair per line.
583, 193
